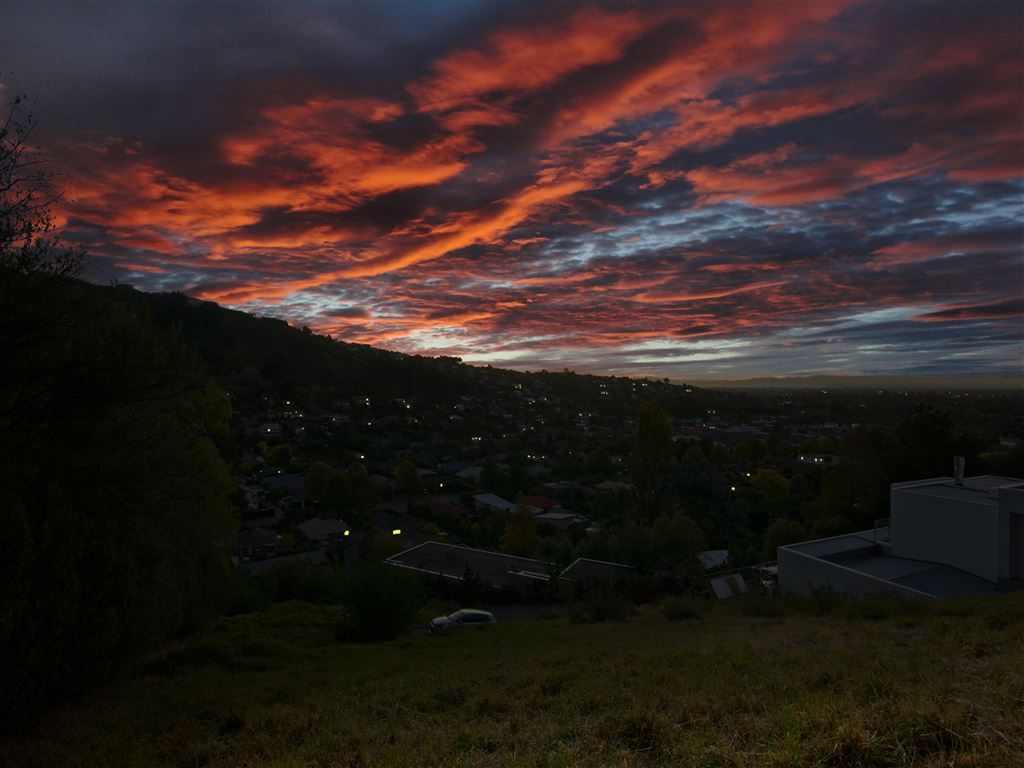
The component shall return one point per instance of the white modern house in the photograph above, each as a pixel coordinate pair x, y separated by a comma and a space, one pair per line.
946, 537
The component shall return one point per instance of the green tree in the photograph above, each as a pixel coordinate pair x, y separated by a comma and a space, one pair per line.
520, 535
491, 476
407, 478
783, 531
363, 492
720, 455
599, 463
810, 445
279, 456
382, 603
770, 483
671, 543
778, 446
111, 489
115, 508
652, 455
327, 486
694, 455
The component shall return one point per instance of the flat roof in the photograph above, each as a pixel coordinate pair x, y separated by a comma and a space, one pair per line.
857, 552
837, 545
975, 490
451, 560
946, 581
585, 568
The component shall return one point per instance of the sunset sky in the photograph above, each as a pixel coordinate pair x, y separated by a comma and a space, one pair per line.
681, 189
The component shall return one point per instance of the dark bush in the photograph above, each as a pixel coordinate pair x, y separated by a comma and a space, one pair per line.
758, 606
681, 609
242, 594
599, 606
382, 603
301, 580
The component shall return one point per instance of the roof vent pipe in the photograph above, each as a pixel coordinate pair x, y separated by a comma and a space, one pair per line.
958, 470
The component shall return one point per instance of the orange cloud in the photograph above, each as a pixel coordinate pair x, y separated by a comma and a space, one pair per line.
525, 60
909, 252
334, 138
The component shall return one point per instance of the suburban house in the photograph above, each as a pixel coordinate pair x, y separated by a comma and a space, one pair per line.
470, 474
441, 506
256, 542
614, 486
451, 561
259, 567
586, 569
292, 484
561, 519
945, 537
394, 522
541, 502
490, 502
324, 530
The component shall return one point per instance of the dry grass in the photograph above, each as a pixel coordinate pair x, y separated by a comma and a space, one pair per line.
866, 684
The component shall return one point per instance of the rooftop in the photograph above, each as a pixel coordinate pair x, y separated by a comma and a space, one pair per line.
858, 552
585, 568
982, 489
451, 560
318, 528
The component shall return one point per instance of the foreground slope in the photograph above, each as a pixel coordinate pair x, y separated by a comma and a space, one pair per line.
752, 684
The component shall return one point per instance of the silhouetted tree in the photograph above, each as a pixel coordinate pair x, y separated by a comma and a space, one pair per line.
114, 504
407, 478
28, 242
520, 534
652, 453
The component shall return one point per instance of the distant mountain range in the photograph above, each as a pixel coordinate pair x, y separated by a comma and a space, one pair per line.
961, 382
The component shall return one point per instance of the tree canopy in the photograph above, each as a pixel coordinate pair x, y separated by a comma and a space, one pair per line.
114, 507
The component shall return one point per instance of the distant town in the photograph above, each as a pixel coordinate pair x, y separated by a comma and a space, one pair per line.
543, 466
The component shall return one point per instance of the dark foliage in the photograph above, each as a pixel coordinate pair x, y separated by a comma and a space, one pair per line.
114, 504
382, 604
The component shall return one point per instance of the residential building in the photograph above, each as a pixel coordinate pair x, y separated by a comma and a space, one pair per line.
490, 502
324, 530
450, 561
945, 536
586, 569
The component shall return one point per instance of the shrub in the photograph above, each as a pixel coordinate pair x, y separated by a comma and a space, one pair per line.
301, 580
382, 603
681, 609
601, 606
242, 594
758, 606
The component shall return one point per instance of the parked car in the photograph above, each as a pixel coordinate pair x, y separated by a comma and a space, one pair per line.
467, 617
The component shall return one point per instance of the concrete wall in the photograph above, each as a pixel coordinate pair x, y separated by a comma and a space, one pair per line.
1011, 511
801, 574
953, 531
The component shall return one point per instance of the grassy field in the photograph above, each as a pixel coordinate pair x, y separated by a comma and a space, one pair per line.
755, 683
